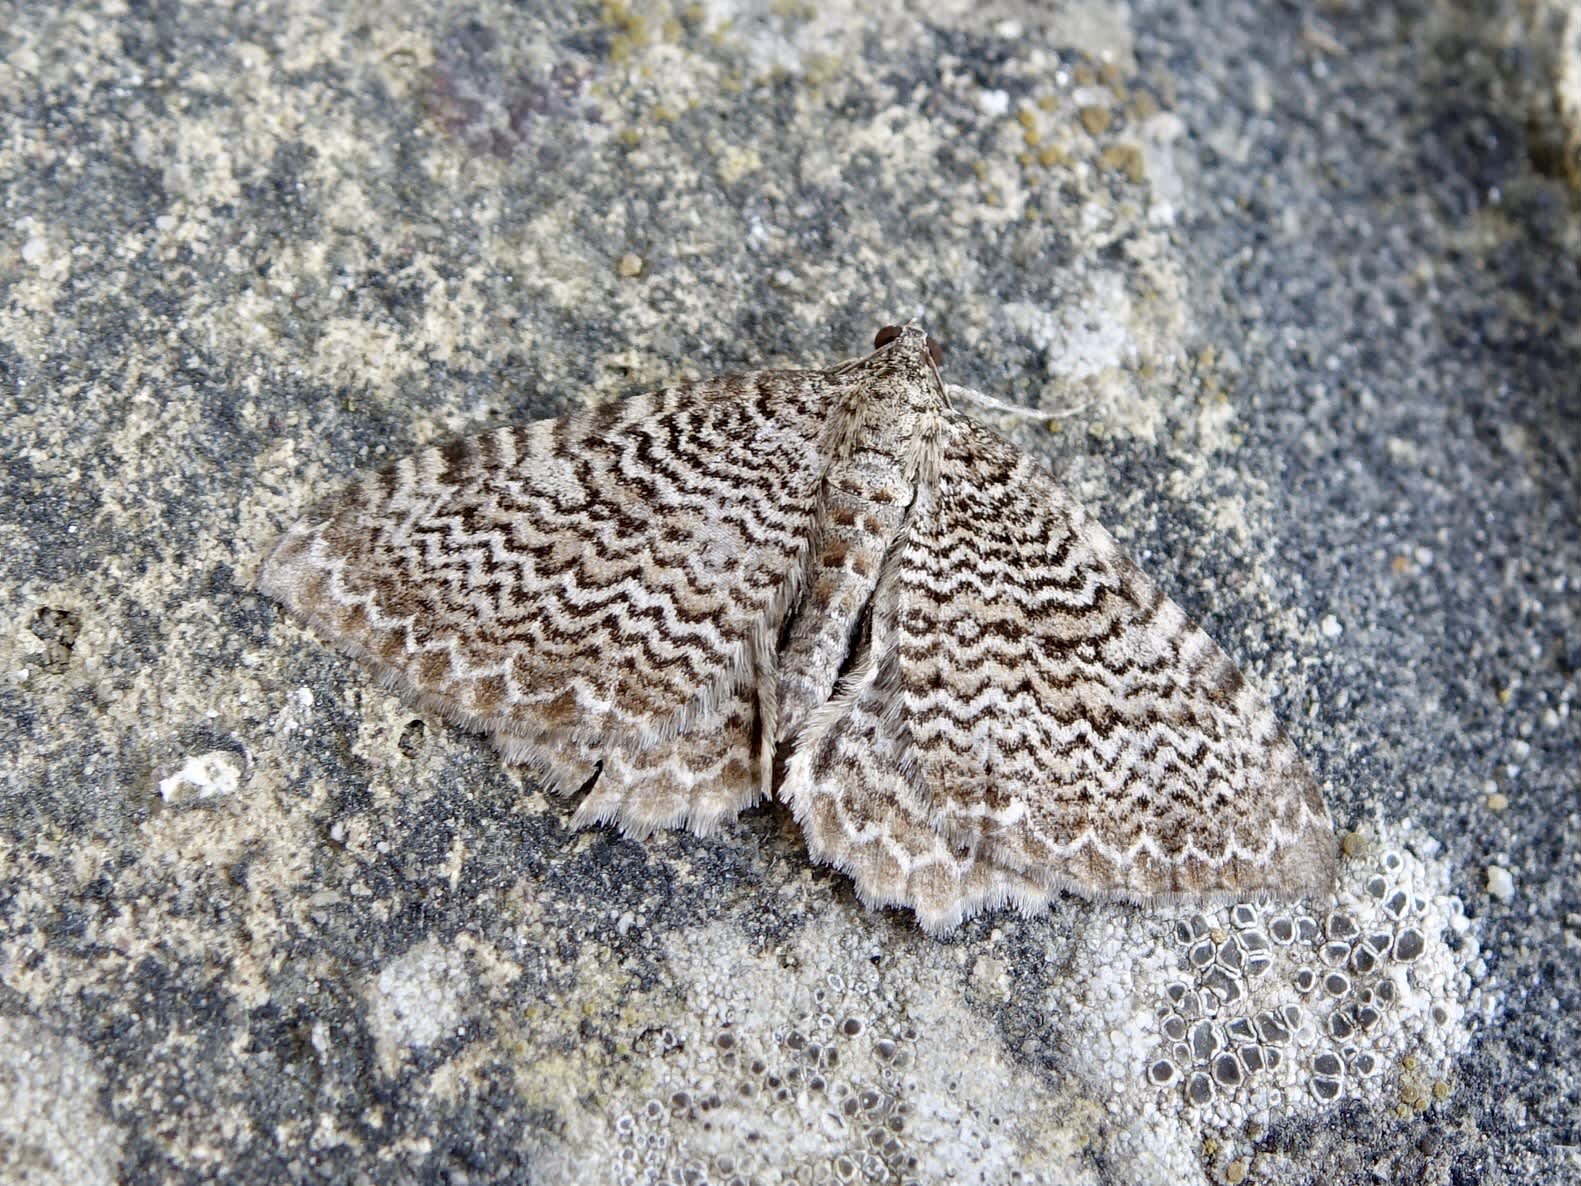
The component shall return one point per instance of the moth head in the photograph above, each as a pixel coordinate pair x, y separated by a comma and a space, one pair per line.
909, 337
902, 371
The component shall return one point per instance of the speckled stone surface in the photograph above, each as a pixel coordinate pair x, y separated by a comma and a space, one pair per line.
1310, 278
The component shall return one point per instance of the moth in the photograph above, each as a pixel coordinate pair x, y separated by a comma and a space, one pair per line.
830, 588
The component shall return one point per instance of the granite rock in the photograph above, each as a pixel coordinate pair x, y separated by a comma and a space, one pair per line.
1295, 292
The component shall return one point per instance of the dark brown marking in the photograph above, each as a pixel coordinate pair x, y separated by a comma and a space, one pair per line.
560, 712
456, 455
390, 647
433, 668
488, 694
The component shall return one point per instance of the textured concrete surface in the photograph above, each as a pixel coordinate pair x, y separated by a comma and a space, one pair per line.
1309, 276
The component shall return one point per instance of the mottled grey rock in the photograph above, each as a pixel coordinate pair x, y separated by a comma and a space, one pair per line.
1296, 292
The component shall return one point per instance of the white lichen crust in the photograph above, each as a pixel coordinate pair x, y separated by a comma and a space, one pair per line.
1229, 1022
1173, 1042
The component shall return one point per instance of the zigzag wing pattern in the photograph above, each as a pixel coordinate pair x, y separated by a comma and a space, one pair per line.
1062, 712
594, 589
863, 811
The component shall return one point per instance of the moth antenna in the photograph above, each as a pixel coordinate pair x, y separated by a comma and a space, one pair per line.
1019, 411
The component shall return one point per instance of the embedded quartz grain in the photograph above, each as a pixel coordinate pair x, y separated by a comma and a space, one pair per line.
203, 776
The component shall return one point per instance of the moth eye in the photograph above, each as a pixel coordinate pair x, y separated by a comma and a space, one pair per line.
885, 336
935, 351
